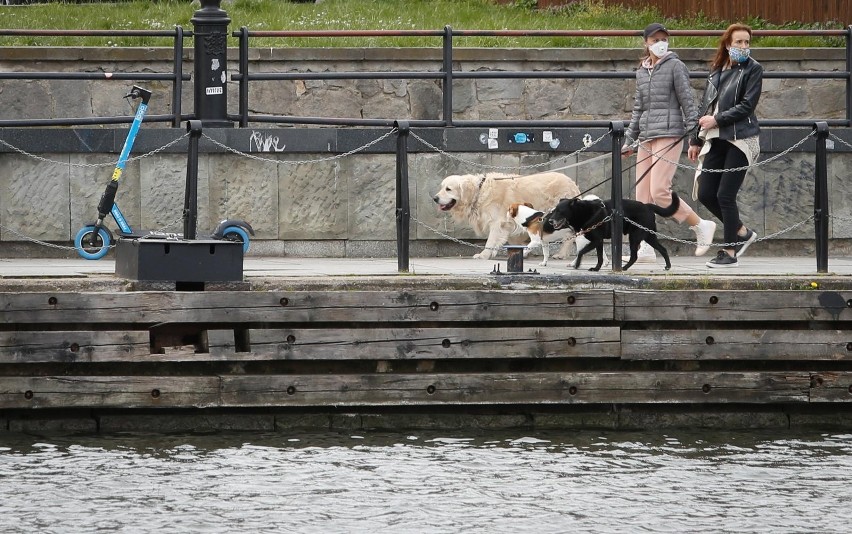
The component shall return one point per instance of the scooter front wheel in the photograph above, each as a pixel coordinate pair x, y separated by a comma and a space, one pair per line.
83, 243
235, 233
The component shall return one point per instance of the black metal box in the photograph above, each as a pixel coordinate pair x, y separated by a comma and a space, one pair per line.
209, 260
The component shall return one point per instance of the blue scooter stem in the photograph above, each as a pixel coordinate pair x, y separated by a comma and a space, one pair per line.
108, 198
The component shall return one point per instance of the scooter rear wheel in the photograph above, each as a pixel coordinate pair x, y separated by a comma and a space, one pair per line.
235, 233
82, 242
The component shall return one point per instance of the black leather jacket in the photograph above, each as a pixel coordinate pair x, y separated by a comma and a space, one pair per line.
737, 91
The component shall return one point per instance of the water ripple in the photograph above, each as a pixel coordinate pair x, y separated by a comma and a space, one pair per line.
380, 482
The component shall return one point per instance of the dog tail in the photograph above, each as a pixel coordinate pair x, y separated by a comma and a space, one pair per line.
669, 211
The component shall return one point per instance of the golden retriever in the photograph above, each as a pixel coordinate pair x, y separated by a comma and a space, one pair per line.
481, 199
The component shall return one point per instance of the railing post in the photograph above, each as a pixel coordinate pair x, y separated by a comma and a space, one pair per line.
177, 71
616, 130
821, 197
190, 200
403, 209
211, 64
849, 76
448, 76
244, 87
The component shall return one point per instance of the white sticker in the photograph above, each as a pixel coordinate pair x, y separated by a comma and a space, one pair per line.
493, 144
214, 65
224, 77
492, 133
547, 136
214, 91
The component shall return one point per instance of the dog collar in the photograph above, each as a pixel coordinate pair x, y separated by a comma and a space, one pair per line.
532, 217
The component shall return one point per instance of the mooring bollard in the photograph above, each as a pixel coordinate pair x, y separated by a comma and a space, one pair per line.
515, 260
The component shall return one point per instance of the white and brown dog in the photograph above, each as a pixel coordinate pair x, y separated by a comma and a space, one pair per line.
541, 234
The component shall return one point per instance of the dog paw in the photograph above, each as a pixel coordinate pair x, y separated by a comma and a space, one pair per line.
483, 255
594, 269
543, 263
558, 256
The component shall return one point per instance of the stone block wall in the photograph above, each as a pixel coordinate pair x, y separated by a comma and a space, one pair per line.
302, 203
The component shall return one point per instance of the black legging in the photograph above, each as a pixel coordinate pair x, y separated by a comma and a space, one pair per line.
717, 191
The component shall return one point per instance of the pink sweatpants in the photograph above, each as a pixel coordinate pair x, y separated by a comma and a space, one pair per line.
656, 186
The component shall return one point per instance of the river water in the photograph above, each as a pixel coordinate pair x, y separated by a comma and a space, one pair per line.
541, 482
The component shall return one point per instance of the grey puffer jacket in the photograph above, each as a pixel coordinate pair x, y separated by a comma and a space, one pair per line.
664, 105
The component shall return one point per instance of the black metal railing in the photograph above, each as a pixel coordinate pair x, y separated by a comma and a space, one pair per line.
176, 77
446, 72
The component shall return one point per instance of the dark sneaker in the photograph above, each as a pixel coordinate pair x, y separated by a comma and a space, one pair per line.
747, 240
722, 259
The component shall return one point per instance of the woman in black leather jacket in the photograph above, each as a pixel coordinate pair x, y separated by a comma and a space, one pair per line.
728, 138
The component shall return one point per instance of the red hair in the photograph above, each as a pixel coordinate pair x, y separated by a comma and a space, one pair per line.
722, 58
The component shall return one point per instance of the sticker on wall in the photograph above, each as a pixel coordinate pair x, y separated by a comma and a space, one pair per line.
214, 65
214, 90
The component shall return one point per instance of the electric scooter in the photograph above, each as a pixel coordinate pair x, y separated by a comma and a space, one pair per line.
93, 241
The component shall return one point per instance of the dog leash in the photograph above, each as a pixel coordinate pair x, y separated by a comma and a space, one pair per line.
644, 174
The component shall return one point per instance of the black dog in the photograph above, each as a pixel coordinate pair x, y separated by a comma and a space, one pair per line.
583, 215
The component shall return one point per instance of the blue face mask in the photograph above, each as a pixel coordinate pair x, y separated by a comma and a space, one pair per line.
739, 55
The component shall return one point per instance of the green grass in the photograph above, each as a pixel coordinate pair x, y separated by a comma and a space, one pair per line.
374, 14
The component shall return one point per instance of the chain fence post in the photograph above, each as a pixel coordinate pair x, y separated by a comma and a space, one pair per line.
821, 197
403, 209
190, 201
616, 130
849, 76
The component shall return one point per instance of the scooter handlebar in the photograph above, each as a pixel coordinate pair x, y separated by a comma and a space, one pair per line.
139, 92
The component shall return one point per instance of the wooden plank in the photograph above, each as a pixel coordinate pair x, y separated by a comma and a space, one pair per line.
73, 346
740, 306
514, 388
831, 386
109, 392
221, 343
723, 344
423, 343
327, 306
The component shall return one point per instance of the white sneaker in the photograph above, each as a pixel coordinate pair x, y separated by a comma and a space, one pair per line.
645, 254
704, 231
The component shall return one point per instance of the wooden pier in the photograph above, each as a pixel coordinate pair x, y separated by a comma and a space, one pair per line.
614, 358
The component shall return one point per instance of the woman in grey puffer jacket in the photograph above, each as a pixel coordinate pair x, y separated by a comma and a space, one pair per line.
663, 112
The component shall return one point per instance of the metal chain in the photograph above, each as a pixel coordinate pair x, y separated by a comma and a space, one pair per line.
152, 233
36, 241
721, 245
302, 162
516, 167
842, 141
592, 227
92, 165
550, 243
756, 164
451, 238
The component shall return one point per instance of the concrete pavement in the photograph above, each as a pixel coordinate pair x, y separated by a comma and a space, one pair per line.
256, 268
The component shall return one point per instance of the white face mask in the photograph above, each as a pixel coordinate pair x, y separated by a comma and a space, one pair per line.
659, 48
